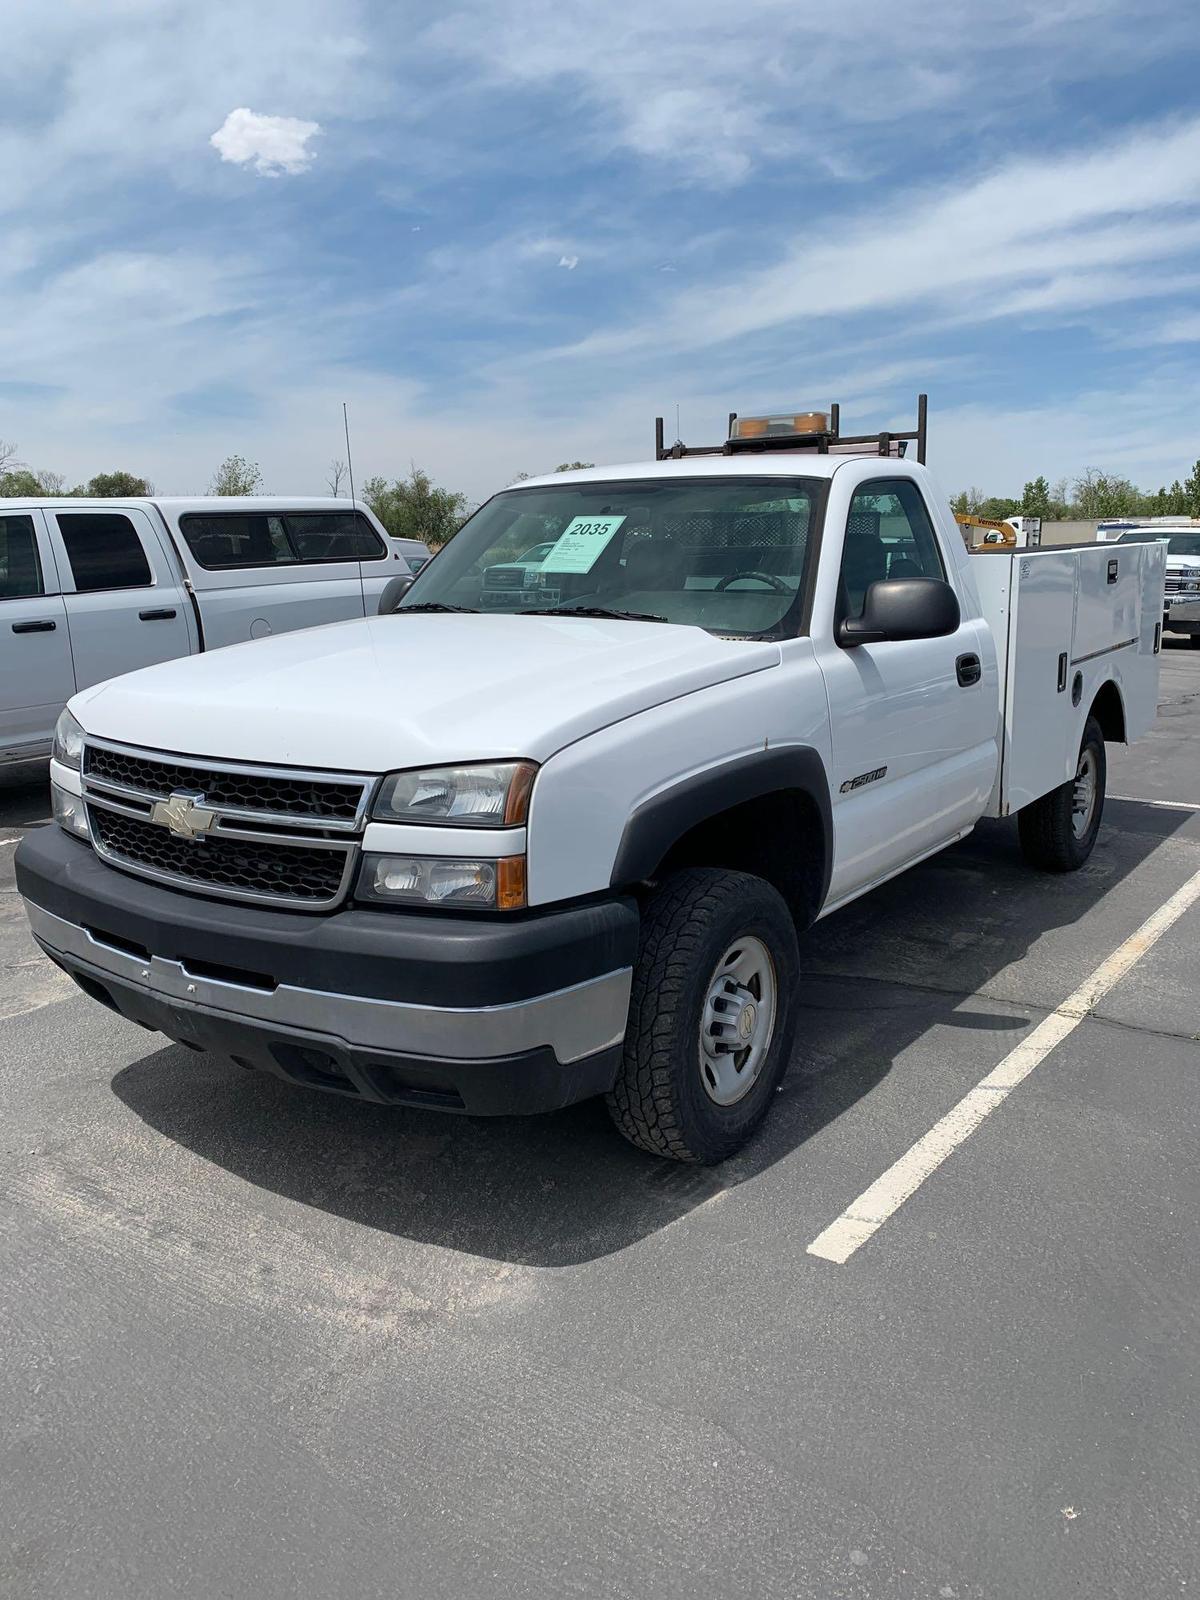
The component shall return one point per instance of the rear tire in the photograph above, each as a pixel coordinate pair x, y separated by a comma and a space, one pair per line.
711, 1016
1059, 830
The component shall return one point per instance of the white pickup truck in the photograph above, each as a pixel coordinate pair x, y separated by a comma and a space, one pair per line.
500, 860
1181, 593
92, 588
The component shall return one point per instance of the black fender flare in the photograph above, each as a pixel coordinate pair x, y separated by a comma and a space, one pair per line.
663, 819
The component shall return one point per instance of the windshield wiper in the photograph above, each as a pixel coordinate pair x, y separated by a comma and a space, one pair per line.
589, 611
434, 605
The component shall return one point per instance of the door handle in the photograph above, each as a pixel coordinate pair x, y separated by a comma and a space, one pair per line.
969, 670
165, 614
45, 626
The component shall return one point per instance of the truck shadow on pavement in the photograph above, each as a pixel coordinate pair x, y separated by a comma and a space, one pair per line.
562, 1189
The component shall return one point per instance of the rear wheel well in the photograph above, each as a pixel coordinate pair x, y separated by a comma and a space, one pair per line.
778, 836
1109, 711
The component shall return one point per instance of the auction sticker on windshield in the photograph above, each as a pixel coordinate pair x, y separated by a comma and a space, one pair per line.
581, 544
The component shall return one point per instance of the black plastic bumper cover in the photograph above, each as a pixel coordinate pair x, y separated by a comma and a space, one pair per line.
418, 957
425, 960
516, 1085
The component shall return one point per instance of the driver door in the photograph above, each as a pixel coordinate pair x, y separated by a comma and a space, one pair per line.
913, 722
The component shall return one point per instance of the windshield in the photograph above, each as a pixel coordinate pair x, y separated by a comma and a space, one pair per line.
1178, 544
728, 555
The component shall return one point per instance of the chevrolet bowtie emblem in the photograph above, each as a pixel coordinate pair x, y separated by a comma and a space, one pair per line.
184, 814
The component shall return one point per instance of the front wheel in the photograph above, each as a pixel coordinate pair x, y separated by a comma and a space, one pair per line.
711, 1015
1059, 830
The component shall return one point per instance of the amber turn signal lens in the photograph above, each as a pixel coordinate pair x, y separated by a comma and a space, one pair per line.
510, 883
516, 808
780, 426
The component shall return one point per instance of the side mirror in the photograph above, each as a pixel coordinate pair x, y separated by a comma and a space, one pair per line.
394, 591
903, 608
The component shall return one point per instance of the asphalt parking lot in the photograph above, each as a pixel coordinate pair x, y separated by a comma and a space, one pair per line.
258, 1341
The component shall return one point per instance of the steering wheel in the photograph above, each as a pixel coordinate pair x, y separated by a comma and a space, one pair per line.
771, 580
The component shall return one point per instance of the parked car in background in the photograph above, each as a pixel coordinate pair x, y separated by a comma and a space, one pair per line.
90, 589
523, 574
415, 551
1181, 597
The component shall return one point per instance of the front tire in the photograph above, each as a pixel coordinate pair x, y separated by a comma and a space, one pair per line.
1059, 830
711, 1016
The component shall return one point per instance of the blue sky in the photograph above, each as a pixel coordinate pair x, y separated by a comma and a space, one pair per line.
510, 233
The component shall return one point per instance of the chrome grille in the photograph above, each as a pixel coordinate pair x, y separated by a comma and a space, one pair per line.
265, 835
504, 578
273, 793
237, 866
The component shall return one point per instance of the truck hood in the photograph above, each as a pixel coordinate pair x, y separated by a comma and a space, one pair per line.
398, 691
1177, 565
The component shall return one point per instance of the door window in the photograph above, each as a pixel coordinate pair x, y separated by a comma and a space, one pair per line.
888, 535
20, 568
104, 551
232, 539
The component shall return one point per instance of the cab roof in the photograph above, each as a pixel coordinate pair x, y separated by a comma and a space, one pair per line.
778, 464
182, 503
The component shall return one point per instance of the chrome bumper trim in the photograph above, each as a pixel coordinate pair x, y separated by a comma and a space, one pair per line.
574, 1022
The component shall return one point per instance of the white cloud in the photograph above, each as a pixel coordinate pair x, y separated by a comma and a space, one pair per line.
1176, 330
274, 144
1024, 226
570, 262
712, 90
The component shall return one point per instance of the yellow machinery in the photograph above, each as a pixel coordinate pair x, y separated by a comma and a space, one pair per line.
1008, 534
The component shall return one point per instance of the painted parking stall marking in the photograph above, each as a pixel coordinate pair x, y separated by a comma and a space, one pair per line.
1163, 805
866, 1215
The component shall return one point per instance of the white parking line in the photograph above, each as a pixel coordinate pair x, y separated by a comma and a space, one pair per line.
864, 1216
1164, 805
3, 842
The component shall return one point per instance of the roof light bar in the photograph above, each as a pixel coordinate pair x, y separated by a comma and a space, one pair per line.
790, 425
809, 432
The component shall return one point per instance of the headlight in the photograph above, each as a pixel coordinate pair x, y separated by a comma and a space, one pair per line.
68, 741
452, 881
492, 794
70, 812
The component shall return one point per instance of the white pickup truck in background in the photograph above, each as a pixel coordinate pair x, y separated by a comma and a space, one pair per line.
93, 588
574, 857
1181, 591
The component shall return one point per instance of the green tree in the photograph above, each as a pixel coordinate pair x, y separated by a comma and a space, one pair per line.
1191, 492
416, 508
236, 475
998, 506
23, 483
573, 466
1035, 499
967, 502
18, 483
1102, 494
116, 486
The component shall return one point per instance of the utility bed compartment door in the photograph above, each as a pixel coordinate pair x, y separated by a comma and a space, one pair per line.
1109, 596
1067, 621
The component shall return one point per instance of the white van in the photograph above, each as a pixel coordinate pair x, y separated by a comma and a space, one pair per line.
90, 589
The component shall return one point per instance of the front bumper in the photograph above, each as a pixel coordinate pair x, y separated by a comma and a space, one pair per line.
485, 1016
